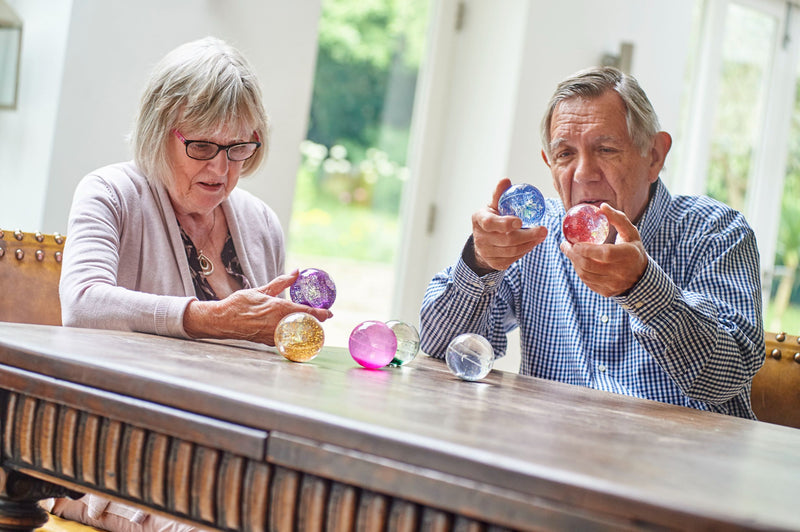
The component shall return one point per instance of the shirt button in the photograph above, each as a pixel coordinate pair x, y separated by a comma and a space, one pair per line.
601, 368
604, 318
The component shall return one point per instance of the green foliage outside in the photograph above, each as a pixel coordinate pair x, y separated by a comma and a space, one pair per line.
731, 148
369, 56
343, 210
786, 298
731, 158
350, 182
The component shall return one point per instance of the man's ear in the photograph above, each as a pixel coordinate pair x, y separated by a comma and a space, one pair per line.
662, 142
544, 158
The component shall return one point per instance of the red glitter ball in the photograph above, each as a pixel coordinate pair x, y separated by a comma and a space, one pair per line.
585, 223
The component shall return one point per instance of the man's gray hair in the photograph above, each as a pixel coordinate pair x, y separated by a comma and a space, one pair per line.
593, 82
204, 85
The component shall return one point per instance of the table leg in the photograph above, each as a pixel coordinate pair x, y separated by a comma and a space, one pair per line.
19, 498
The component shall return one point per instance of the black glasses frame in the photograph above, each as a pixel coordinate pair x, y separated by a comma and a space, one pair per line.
220, 147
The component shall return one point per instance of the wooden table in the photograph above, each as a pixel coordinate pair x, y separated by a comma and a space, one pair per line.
236, 437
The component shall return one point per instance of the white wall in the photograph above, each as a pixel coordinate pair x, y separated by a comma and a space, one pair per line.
660, 33
479, 104
27, 133
503, 66
107, 54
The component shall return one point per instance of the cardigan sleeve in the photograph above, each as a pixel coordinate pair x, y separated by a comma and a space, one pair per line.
104, 211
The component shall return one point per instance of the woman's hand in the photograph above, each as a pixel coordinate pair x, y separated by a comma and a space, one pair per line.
251, 314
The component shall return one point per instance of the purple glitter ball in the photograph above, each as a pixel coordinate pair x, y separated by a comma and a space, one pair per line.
314, 288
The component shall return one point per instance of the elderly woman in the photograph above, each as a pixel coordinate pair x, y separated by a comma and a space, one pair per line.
167, 244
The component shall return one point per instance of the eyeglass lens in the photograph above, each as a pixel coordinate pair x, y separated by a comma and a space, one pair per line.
208, 150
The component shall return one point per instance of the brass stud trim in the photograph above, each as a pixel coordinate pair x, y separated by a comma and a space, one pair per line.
2, 234
39, 255
18, 234
59, 238
2, 252
781, 336
58, 256
797, 357
19, 254
776, 354
39, 236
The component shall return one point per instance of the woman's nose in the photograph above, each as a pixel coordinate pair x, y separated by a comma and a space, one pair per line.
220, 162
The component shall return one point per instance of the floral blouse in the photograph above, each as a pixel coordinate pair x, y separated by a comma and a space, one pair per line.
230, 261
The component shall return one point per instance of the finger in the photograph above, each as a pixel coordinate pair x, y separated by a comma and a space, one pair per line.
583, 257
501, 187
501, 250
321, 314
626, 231
490, 221
279, 284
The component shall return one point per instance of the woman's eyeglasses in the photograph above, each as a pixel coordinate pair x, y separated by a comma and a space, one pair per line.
203, 150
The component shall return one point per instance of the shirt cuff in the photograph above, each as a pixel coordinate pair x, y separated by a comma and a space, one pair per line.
473, 285
469, 258
652, 294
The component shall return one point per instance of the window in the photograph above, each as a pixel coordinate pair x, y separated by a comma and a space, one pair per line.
743, 134
346, 211
783, 313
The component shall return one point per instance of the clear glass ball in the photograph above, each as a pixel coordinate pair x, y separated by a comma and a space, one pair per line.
407, 342
470, 356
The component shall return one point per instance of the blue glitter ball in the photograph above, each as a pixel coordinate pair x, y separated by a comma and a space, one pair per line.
524, 201
470, 356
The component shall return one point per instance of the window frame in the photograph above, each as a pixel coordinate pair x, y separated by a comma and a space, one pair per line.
770, 151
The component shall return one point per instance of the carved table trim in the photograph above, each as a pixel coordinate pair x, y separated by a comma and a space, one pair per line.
235, 437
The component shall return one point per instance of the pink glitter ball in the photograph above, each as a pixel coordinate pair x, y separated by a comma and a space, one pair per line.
585, 223
373, 344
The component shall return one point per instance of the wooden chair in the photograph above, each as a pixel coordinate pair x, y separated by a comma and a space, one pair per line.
775, 396
30, 269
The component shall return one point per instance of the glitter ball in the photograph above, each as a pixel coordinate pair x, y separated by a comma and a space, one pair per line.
407, 342
585, 223
299, 337
470, 356
372, 344
524, 201
314, 288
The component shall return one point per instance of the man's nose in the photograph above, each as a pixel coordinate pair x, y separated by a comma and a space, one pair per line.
586, 169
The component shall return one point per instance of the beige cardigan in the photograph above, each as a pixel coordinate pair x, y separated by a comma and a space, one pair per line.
125, 266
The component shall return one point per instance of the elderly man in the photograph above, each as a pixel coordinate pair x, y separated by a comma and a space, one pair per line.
668, 308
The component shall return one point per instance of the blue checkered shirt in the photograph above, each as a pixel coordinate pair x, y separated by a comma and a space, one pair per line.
688, 333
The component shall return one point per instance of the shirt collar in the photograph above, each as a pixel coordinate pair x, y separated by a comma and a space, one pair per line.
654, 213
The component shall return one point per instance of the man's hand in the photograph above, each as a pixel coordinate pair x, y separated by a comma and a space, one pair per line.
610, 269
500, 240
247, 314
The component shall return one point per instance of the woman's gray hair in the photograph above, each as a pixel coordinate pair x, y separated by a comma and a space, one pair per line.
204, 85
593, 82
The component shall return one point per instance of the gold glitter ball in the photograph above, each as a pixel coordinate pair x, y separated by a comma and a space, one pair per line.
299, 337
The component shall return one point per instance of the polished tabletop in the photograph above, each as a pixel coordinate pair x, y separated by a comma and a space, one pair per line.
604, 452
